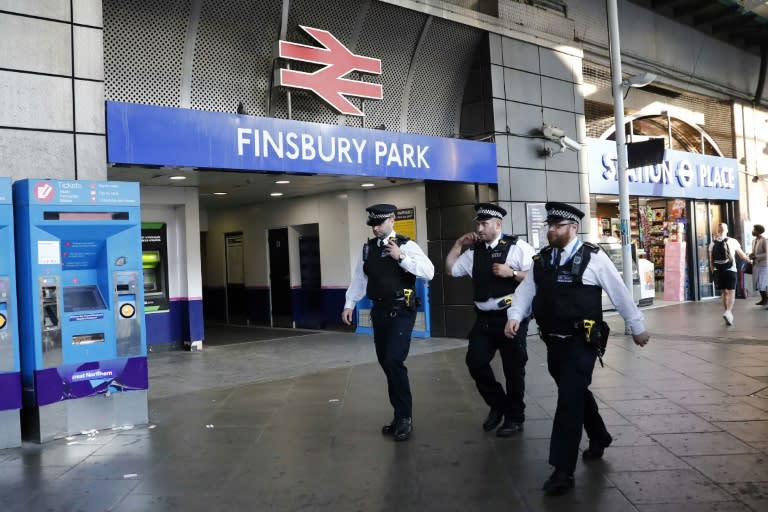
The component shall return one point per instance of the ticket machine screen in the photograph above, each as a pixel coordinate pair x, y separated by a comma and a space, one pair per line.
82, 298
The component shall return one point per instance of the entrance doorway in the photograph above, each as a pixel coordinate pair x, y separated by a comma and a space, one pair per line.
280, 278
235, 297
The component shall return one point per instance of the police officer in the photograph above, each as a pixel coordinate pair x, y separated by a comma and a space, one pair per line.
564, 290
497, 263
387, 273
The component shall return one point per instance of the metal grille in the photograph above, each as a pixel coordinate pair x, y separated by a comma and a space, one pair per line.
718, 114
144, 50
395, 54
442, 62
339, 18
233, 54
233, 50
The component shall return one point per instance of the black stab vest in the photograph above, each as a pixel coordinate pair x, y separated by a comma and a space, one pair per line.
386, 280
487, 285
562, 299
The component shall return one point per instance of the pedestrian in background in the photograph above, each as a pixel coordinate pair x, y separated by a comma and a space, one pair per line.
723, 251
386, 273
760, 263
564, 291
497, 263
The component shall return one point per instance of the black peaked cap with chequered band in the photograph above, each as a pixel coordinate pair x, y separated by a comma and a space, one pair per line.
562, 211
378, 213
485, 211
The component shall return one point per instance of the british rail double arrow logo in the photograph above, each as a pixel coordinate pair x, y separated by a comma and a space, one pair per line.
328, 82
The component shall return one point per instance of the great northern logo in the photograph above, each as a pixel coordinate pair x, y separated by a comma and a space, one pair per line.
328, 82
44, 192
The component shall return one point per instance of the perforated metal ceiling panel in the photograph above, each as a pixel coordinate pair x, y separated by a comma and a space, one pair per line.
395, 53
144, 50
233, 43
441, 63
233, 54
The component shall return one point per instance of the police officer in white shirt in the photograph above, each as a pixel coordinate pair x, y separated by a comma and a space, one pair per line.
497, 264
564, 292
387, 273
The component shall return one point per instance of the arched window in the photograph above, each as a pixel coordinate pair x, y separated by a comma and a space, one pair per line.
678, 134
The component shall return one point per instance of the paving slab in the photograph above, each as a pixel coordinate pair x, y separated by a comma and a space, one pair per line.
294, 424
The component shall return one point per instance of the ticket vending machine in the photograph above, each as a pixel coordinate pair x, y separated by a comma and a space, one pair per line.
81, 304
10, 369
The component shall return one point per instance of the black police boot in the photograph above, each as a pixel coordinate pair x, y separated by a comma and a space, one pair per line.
403, 429
492, 421
596, 449
558, 483
509, 428
388, 429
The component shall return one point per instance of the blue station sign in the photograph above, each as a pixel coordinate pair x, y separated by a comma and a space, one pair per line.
149, 135
684, 175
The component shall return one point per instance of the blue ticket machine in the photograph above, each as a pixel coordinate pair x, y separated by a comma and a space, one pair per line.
81, 304
10, 369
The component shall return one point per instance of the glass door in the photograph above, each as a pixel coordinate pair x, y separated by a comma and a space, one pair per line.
703, 236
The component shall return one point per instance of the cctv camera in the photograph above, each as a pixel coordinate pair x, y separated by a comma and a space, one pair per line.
567, 142
552, 132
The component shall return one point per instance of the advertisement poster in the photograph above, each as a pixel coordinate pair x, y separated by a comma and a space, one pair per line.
405, 222
537, 225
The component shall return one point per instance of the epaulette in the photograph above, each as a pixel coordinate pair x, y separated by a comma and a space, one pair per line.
536, 257
592, 247
401, 239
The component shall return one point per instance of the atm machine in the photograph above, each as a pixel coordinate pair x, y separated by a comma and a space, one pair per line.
10, 369
81, 303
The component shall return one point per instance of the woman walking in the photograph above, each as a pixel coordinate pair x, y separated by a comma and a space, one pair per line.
760, 263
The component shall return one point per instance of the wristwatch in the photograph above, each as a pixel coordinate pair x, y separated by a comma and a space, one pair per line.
514, 273
402, 257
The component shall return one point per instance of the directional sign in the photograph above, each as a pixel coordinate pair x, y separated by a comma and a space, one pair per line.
328, 82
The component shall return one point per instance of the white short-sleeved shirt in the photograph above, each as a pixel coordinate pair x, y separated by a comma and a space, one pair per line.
600, 271
519, 257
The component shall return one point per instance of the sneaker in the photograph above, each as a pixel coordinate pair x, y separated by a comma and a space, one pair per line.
728, 317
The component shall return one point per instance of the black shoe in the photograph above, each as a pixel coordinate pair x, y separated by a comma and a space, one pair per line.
508, 428
388, 429
558, 483
761, 303
403, 429
596, 449
492, 421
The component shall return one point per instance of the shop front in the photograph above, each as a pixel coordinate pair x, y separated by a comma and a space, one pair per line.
674, 209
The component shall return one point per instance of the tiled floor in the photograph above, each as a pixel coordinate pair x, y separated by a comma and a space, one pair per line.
293, 425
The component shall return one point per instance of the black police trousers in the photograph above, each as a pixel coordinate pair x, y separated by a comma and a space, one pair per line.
485, 338
392, 329
570, 362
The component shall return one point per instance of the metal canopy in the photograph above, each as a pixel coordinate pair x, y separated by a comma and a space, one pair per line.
742, 23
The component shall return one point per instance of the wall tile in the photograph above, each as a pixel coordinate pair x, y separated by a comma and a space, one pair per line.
35, 101
35, 45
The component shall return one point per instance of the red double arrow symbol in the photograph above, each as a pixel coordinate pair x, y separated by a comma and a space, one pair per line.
328, 82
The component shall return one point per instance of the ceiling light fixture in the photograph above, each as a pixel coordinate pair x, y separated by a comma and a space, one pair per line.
178, 177
368, 185
220, 193
282, 182
276, 194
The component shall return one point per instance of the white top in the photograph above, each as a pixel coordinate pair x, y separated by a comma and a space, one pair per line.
415, 262
519, 257
733, 245
601, 272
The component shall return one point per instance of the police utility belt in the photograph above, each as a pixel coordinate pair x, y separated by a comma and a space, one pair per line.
503, 305
405, 299
593, 332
